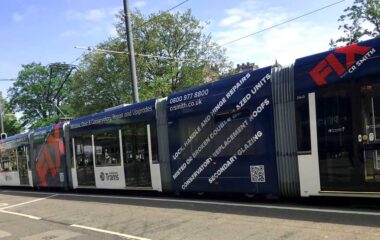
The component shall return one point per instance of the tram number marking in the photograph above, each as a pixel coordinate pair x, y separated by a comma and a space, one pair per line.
61, 177
257, 173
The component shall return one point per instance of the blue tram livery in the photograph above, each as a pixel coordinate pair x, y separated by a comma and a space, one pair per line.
309, 129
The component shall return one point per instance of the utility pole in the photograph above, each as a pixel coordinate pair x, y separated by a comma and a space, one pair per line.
131, 51
1, 118
3, 135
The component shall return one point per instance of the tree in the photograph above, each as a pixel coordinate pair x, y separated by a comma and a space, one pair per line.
11, 124
103, 79
38, 91
362, 19
178, 35
333, 45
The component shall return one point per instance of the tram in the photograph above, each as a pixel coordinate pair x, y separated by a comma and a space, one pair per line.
308, 129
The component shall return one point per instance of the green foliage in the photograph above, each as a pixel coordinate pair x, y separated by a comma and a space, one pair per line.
361, 13
103, 80
36, 92
46, 121
333, 45
11, 125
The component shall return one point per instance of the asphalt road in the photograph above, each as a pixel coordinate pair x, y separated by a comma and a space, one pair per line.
47, 215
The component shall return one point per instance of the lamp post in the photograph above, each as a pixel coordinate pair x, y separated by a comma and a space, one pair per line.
1, 118
3, 135
1, 113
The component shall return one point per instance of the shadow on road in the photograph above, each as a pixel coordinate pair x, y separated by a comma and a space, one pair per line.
235, 204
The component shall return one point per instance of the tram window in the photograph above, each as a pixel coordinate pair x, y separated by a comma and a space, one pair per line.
142, 143
135, 140
154, 142
376, 116
128, 141
1, 161
83, 151
198, 147
71, 152
38, 141
107, 149
5, 160
303, 124
4, 166
23, 158
13, 160
9, 160
242, 113
78, 151
236, 119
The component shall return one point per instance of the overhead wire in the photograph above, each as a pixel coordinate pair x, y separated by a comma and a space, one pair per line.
168, 10
15, 79
136, 54
282, 23
174, 7
8, 79
76, 59
91, 49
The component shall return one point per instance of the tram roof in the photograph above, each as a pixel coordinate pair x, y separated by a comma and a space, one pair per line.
354, 61
15, 137
117, 113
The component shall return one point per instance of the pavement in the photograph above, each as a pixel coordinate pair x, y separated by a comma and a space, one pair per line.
30, 215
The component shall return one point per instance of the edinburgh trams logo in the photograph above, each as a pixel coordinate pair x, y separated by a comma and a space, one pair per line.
102, 176
110, 176
331, 62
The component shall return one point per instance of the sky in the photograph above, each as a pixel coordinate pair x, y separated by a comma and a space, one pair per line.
47, 31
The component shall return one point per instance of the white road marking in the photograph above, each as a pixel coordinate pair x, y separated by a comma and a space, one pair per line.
4, 234
53, 235
28, 202
21, 215
38, 193
109, 232
219, 203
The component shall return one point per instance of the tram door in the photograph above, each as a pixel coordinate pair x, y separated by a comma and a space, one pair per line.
348, 117
84, 161
338, 169
23, 161
369, 135
136, 156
